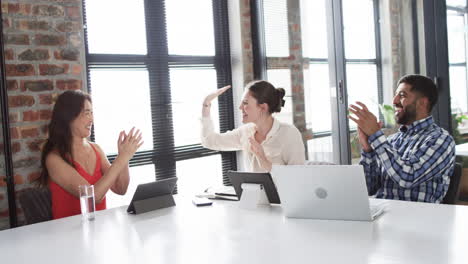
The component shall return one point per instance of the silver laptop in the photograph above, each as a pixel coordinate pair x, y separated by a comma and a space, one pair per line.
335, 192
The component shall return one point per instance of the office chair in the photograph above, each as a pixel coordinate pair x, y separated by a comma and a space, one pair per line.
36, 204
452, 193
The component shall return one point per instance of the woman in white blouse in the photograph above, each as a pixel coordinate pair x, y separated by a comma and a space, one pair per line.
264, 140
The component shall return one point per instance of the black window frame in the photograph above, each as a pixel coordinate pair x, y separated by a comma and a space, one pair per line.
261, 66
158, 63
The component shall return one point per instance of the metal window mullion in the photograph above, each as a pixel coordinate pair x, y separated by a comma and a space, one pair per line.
337, 65
160, 92
224, 77
258, 40
378, 56
7, 153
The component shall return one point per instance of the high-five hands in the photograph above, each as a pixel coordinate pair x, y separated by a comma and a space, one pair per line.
215, 94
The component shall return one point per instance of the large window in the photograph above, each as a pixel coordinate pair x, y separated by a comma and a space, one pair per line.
457, 45
150, 64
297, 57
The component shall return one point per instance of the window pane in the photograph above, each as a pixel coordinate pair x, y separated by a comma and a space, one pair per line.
190, 27
121, 100
456, 37
138, 175
314, 29
320, 149
123, 31
456, 3
362, 86
276, 28
317, 98
458, 90
195, 175
282, 78
189, 88
358, 24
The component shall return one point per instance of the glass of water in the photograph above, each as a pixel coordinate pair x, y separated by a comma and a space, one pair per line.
87, 203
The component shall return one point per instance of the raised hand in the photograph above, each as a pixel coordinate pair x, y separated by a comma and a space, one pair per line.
128, 144
215, 94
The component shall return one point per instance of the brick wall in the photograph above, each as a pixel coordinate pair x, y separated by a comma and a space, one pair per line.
44, 55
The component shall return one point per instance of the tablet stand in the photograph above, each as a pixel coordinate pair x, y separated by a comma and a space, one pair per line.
150, 204
253, 195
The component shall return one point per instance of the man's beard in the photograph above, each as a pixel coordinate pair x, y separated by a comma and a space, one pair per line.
408, 115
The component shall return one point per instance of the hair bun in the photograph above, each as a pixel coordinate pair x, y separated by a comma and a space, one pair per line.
281, 92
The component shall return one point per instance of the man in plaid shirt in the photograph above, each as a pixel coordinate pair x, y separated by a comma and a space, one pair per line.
416, 163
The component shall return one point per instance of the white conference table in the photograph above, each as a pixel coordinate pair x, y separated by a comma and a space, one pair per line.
224, 233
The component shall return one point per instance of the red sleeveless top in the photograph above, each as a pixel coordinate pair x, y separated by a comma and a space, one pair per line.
63, 203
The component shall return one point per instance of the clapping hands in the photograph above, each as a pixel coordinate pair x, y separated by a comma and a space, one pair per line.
129, 143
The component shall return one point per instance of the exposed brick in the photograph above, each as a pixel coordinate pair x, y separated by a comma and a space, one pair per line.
45, 129
45, 114
36, 145
12, 85
77, 69
69, 26
53, 69
20, 100
48, 10
18, 179
29, 132
19, 70
37, 86
9, 54
33, 25
69, 84
15, 147
13, 117
75, 40
30, 116
34, 55
14, 132
4, 213
22, 9
16, 39
49, 40
73, 12
46, 99
65, 1
67, 54
6, 23
33, 176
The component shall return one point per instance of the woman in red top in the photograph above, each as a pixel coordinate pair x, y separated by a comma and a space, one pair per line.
69, 159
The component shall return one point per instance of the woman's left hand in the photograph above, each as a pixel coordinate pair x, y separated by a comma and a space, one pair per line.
256, 148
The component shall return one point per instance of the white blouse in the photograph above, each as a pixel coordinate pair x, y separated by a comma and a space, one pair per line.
283, 145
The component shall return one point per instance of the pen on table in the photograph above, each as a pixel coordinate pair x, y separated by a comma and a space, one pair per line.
226, 194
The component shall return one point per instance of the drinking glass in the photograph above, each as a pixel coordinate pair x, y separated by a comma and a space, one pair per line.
87, 203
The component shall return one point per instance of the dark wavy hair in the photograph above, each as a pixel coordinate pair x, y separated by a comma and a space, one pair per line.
67, 108
265, 92
422, 85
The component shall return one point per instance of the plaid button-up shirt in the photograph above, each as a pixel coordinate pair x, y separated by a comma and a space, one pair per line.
414, 164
